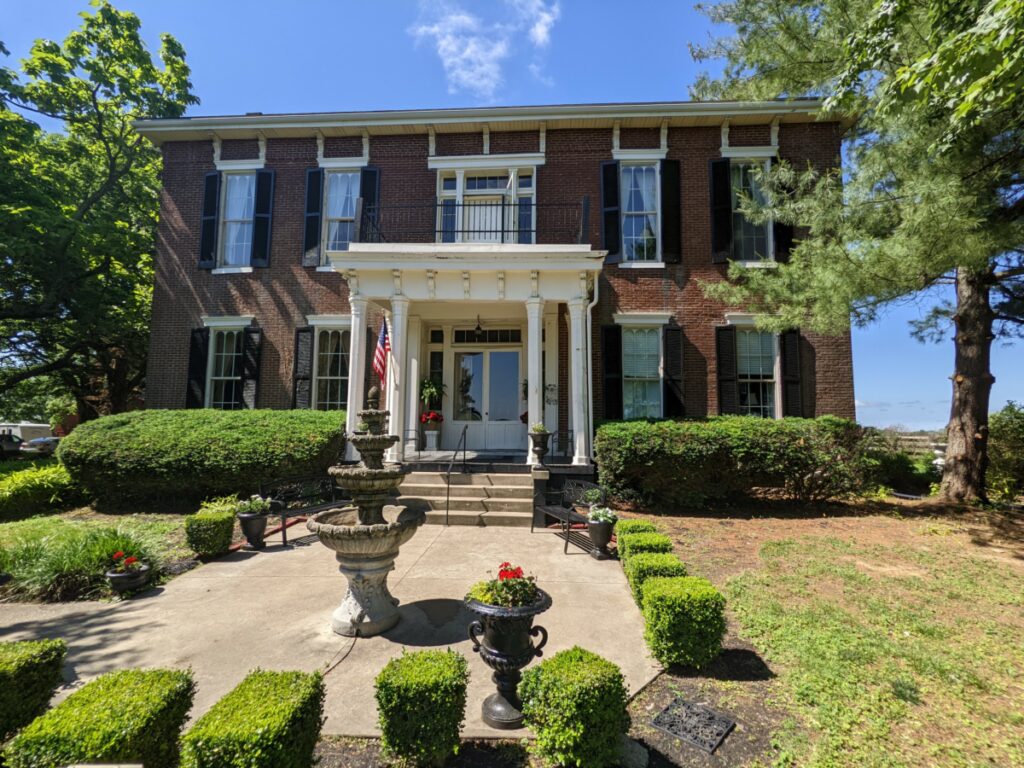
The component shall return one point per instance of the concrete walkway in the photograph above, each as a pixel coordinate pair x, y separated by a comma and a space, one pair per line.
271, 610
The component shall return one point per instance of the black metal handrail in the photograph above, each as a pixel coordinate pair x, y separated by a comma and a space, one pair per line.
448, 474
505, 221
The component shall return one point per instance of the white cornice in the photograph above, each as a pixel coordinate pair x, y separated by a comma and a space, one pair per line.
456, 162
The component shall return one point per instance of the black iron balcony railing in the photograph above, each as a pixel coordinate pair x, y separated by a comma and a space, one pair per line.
521, 222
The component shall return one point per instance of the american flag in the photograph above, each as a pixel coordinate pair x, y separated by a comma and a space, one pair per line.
380, 357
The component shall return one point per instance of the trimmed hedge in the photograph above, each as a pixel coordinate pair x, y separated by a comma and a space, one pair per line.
684, 620
36, 489
647, 565
625, 526
630, 544
210, 530
668, 464
270, 720
30, 671
575, 702
421, 704
131, 716
195, 454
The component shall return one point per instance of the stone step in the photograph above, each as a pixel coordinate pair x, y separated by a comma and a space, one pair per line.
484, 519
475, 478
464, 504
468, 491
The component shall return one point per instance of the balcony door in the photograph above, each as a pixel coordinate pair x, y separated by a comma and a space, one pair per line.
483, 219
488, 399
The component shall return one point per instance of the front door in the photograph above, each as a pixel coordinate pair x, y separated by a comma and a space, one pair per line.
488, 398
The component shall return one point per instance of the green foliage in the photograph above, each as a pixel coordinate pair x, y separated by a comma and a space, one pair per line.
270, 720
37, 489
79, 206
68, 562
210, 530
648, 565
193, 454
1006, 452
684, 620
624, 526
30, 671
900, 471
131, 716
669, 464
634, 543
421, 704
511, 589
602, 515
575, 703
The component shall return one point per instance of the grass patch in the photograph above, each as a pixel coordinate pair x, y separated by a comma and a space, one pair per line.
894, 655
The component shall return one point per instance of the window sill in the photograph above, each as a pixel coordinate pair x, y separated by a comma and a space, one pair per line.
326, 268
641, 264
758, 264
231, 271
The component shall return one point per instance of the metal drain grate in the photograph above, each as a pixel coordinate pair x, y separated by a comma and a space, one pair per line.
694, 724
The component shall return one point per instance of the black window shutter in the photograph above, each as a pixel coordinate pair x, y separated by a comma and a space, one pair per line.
314, 207
208, 225
672, 379
611, 359
611, 223
782, 236
198, 354
302, 377
725, 352
263, 212
252, 339
721, 211
671, 216
789, 349
369, 190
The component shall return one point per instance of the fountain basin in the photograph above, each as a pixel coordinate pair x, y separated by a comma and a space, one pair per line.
366, 555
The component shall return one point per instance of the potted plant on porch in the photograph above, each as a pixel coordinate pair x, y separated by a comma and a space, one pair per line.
252, 516
126, 572
600, 525
539, 439
502, 635
431, 392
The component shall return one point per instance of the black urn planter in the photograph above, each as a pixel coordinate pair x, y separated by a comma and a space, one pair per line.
504, 639
254, 526
600, 536
539, 441
128, 581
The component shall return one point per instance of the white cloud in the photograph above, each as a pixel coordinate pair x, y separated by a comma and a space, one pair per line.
473, 52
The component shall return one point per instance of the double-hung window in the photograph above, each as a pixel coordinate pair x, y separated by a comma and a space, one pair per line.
639, 189
641, 373
488, 206
750, 242
224, 377
756, 356
339, 223
237, 219
330, 375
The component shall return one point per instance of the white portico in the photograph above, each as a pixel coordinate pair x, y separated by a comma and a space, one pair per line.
483, 320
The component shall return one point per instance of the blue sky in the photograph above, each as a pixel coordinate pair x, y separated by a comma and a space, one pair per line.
323, 55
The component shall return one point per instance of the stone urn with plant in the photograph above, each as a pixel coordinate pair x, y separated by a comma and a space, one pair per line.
600, 525
126, 572
503, 634
431, 394
252, 515
539, 441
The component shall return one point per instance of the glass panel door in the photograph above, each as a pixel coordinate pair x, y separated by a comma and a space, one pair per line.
469, 386
503, 390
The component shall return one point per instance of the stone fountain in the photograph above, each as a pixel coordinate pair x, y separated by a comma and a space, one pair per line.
366, 537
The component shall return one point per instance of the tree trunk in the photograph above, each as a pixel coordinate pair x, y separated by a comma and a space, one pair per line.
963, 479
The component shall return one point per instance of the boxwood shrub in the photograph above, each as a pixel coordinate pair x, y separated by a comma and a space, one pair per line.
630, 544
624, 526
575, 702
684, 620
668, 464
190, 455
30, 671
647, 565
421, 704
131, 716
34, 489
210, 530
270, 720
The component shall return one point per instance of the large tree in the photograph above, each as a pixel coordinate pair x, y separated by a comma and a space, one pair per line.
931, 190
78, 207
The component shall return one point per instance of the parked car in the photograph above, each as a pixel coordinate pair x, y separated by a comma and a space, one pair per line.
40, 446
10, 445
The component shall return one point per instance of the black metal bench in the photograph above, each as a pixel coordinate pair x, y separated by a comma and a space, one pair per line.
562, 507
301, 497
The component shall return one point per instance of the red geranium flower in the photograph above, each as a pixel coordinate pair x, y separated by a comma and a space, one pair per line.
131, 560
118, 555
508, 571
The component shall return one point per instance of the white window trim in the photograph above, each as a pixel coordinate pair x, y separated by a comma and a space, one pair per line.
231, 271
228, 322
750, 153
325, 219
460, 192
747, 322
343, 163
639, 155
743, 156
653, 326
484, 162
221, 211
327, 323
247, 164
221, 325
642, 319
659, 260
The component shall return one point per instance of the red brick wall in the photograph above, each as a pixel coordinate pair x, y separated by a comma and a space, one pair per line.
283, 294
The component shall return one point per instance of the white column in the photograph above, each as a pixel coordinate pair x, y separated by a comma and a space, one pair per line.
398, 373
578, 394
551, 366
534, 366
412, 387
356, 368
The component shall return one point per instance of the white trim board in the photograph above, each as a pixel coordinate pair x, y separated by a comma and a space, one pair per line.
645, 319
472, 162
228, 321
639, 154
329, 321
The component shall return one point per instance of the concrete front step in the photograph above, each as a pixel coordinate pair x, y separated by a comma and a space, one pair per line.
468, 491
475, 478
467, 504
481, 519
